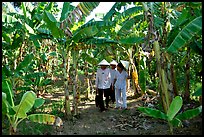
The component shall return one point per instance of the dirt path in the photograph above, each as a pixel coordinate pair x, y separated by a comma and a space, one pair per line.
122, 122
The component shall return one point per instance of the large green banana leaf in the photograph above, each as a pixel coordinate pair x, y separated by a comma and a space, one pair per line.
52, 25
129, 13
99, 24
175, 106
188, 114
186, 35
45, 119
5, 107
131, 39
26, 61
85, 33
113, 11
7, 89
70, 17
65, 10
127, 25
153, 112
27, 102
98, 41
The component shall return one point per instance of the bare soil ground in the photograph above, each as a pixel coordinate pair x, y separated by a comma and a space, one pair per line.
91, 121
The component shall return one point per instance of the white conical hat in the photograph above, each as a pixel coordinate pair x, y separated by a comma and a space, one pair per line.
125, 64
113, 62
104, 62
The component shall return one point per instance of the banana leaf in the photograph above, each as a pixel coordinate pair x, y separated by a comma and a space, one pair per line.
38, 102
5, 109
186, 35
127, 25
198, 90
27, 102
130, 12
65, 11
175, 106
26, 61
188, 114
153, 112
52, 25
85, 33
7, 89
176, 122
132, 39
45, 119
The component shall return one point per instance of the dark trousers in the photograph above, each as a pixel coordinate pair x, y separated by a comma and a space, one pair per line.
112, 94
105, 93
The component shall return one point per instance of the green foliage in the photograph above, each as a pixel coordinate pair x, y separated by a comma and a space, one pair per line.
153, 113
172, 115
174, 108
20, 111
186, 34
27, 60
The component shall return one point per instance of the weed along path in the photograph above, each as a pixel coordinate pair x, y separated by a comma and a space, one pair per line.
123, 122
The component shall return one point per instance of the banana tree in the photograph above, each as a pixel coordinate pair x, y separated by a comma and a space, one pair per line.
173, 116
18, 113
62, 31
168, 31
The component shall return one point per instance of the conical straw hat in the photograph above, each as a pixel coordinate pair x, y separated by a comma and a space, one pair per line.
125, 64
104, 62
113, 62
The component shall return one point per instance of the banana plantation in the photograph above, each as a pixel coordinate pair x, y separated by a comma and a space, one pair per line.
50, 56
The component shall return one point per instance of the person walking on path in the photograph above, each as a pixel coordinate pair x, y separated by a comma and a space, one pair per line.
120, 85
103, 82
113, 71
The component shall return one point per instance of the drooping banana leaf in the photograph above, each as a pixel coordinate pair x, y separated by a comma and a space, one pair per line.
132, 39
38, 102
27, 102
82, 10
188, 114
26, 61
98, 41
129, 13
45, 119
52, 25
99, 24
153, 112
127, 25
85, 33
114, 10
186, 34
175, 106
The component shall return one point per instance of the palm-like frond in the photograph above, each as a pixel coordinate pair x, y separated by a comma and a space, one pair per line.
186, 34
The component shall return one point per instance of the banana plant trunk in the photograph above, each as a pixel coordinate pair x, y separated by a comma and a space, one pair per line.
136, 86
87, 80
163, 80
135, 82
187, 90
173, 79
66, 66
75, 88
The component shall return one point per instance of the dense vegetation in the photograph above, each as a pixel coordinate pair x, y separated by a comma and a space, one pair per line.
42, 43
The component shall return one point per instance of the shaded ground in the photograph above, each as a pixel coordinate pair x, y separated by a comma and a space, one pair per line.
112, 122
122, 122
